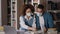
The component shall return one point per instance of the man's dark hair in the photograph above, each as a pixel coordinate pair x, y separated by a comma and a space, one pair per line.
40, 6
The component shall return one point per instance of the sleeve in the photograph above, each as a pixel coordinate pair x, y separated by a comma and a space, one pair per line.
22, 23
50, 21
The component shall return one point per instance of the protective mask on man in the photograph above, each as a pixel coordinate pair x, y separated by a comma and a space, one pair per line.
39, 14
28, 14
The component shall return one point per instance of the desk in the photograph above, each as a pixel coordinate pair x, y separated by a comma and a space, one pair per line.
29, 32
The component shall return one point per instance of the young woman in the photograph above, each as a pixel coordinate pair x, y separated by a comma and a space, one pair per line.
26, 20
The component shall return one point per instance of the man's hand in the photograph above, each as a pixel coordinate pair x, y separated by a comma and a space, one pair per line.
45, 29
52, 29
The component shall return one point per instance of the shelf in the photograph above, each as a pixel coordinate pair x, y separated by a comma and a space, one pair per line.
9, 11
57, 21
9, 14
14, 13
9, 6
54, 11
35, 2
13, 2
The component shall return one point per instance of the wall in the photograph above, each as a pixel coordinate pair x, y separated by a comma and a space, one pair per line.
44, 2
0, 14
20, 4
4, 12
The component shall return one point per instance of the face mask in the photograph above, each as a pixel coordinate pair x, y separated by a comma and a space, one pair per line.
39, 14
28, 14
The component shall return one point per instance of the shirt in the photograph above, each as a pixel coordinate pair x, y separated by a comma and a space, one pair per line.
41, 20
22, 23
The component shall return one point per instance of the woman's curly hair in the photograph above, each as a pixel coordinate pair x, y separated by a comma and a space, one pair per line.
28, 6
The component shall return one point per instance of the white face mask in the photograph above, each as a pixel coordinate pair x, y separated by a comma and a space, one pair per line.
39, 14
28, 14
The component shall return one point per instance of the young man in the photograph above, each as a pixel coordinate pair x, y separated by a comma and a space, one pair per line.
43, 19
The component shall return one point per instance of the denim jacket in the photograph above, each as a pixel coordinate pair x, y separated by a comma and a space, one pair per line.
48, 21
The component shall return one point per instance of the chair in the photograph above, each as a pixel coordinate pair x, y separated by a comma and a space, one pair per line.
9, 30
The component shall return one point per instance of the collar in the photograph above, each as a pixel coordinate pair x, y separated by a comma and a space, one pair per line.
27, 18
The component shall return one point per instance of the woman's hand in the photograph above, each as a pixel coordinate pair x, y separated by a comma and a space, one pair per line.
33, 29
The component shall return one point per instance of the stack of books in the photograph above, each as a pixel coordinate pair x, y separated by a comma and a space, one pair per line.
2, 30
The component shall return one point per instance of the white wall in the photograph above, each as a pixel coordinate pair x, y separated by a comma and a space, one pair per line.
0, 14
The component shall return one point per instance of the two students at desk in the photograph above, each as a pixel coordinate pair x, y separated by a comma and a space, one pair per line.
41, 18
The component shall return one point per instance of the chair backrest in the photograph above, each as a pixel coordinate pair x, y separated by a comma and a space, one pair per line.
58, 26
10, 30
